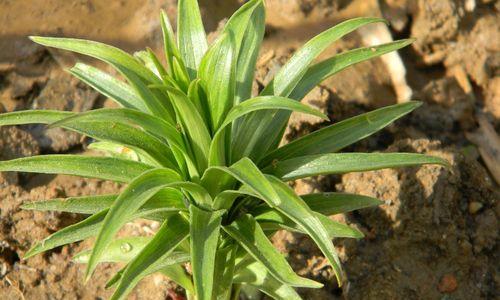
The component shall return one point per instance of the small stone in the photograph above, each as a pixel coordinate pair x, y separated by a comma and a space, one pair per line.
474, 207
448, 284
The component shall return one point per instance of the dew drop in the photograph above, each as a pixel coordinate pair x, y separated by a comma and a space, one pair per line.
126, 247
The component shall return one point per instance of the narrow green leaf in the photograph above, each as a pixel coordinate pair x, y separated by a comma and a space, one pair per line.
180, 74
88, 228
165, 199
191, 37
217, 148
122, 133
272, 220
80, 205
204, 232
106, 168
33, 116
156, 103
109, 86
192, 122
156, 67
154, 125
120, 250
297, 210
337, 136
249, 50
73, 233
217, 74
130, 200
337, 163
224, 271
106, 53
250, 236
257, 275
338, 203
172, 232
247, 173
329, 67
115, 150
269, 102
291, 73
169, 44
197, 95
177, 274
169, 265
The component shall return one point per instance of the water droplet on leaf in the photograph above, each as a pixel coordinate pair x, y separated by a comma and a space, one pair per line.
126, 247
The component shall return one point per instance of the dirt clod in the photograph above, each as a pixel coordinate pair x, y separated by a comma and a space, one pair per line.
448, 284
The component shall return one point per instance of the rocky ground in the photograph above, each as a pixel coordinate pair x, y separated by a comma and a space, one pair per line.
435, 237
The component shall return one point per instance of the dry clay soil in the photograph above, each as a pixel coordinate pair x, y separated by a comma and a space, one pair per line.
435, 236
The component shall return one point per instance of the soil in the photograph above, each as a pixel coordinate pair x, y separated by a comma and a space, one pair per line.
435, 236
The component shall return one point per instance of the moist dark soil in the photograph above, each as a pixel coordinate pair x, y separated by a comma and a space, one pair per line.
435, 236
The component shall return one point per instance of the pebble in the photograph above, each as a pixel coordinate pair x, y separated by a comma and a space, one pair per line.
448, 284
474, 207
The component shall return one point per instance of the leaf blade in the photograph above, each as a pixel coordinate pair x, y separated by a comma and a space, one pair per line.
339, 135
106, 168
191, 37
247, 232
335, 163
204, 233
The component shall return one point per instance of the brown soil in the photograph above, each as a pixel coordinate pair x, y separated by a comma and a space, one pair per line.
435, 237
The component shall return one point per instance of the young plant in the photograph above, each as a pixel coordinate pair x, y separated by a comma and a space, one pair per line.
201, 155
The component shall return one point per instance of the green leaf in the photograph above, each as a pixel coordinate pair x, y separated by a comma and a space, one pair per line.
197, 95
224, 271
169, 265
217, 151
297, 210
33, 116
269, 102
120, 250
338, 203
337, 163
192, 122
325, 69
172, 232
99, 127
155, 102
166, 199
169, 45
272, 220
106, 53
130, 200
225, 199
154, 125
73, 233
90, 227
217, 74
337, 136
244, 171
249, 50
291, 73
255, 274
180, 74
116, 150
106, 168
177, 274
109, 86
80, 205
191, 37
204, 232
250, 236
